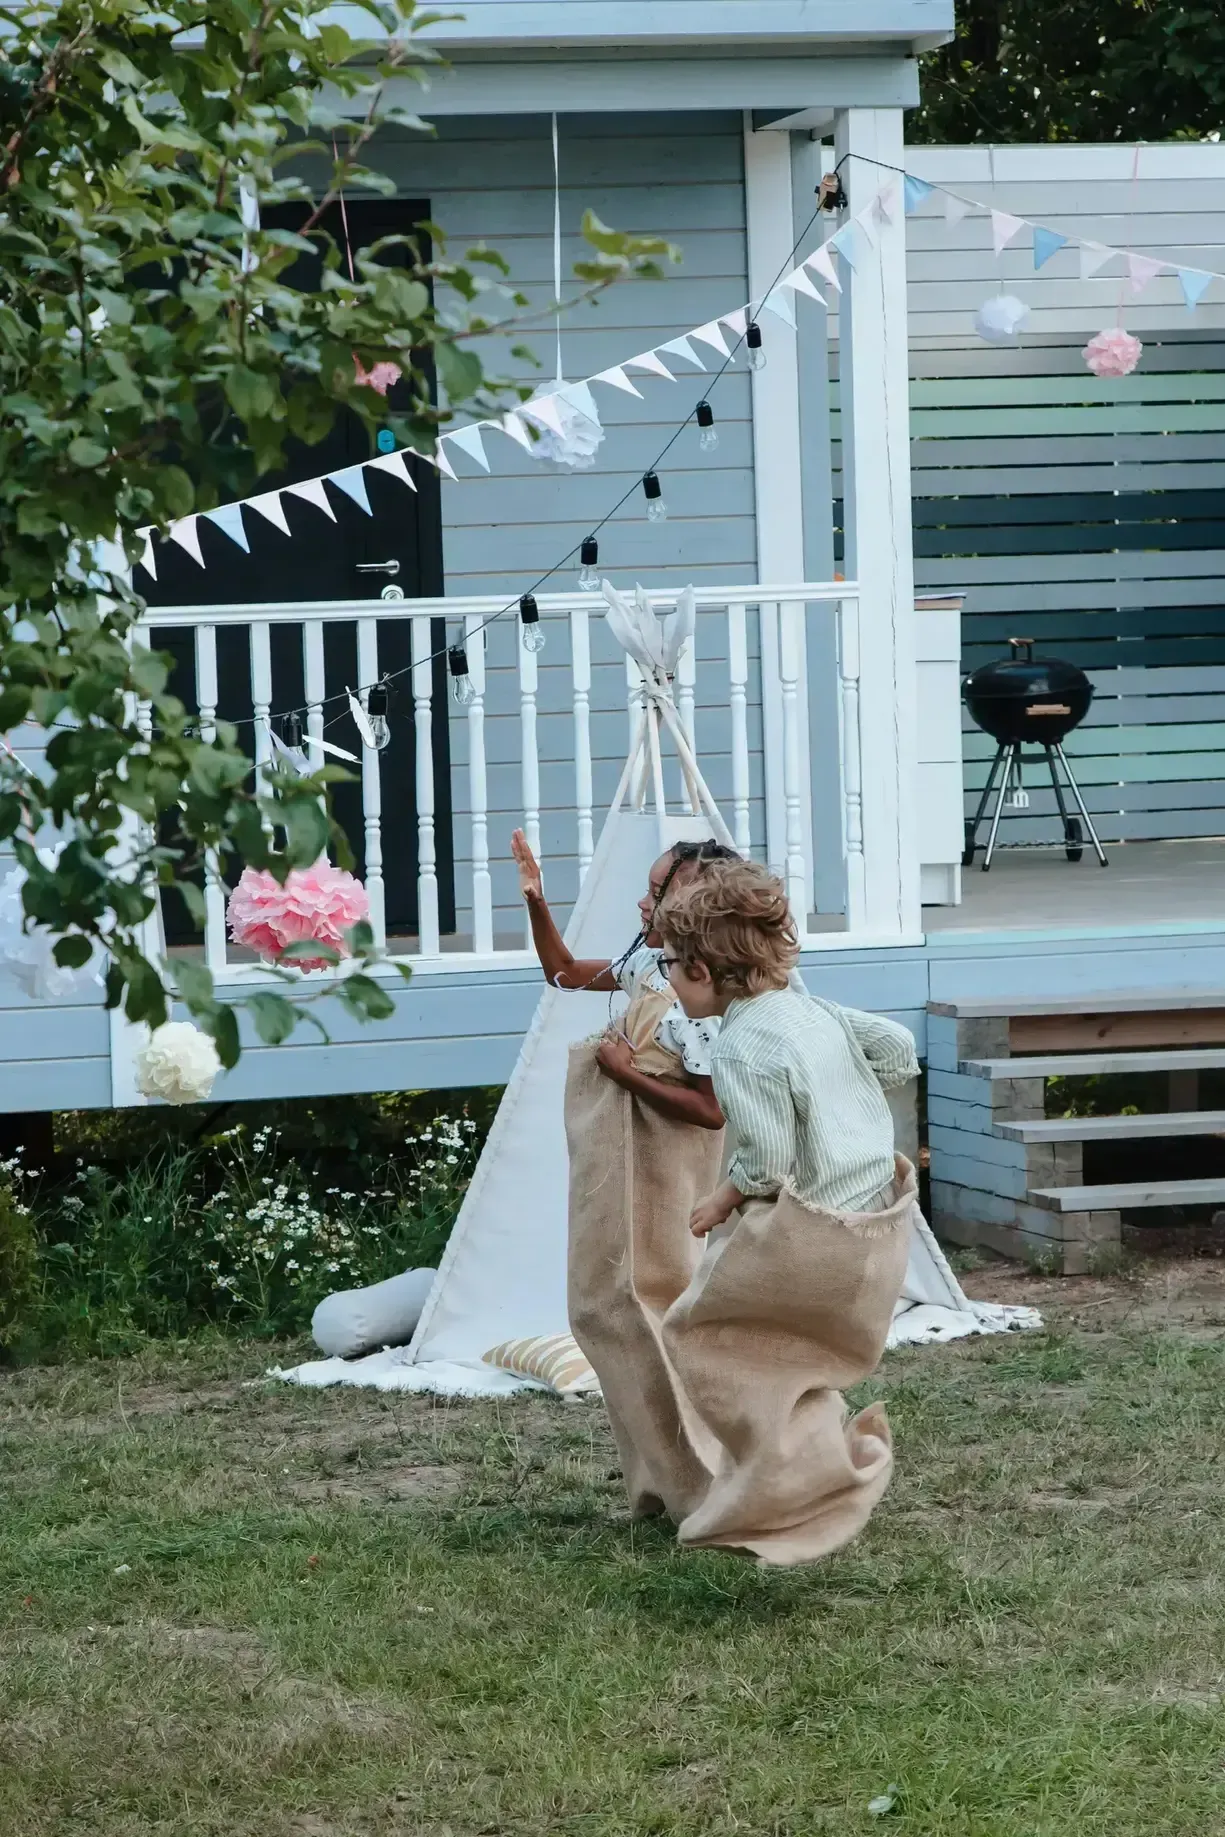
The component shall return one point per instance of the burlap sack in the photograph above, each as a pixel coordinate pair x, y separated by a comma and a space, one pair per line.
634, 1179
788, 1306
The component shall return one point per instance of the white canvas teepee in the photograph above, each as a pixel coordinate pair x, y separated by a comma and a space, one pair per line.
504, 1271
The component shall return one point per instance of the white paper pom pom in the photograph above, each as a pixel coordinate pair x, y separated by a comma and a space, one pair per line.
179, 1065
30, 954
999, 319
577, 446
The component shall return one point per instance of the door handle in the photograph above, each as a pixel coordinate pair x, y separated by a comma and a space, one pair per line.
379, 567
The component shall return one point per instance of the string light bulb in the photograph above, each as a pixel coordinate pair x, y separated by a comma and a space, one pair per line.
462, 686
657, 510
754, 345
708, 433
529, 619
589, 573
291, 730
378, 704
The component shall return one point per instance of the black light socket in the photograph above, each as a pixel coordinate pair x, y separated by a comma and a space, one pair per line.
378, 701
752, 335
705, 414
589, 552
529, 611
651, 486
457, 660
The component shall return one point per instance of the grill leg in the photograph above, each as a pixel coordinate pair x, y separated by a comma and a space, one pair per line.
1008, 754
1068, 841
967, 859
1080, 804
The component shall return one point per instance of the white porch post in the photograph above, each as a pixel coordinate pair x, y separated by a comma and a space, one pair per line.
777, 482
874, 390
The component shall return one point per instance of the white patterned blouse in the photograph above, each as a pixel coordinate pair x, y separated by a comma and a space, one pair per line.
692, 1041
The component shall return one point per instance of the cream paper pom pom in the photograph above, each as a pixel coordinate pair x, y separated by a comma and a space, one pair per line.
179, 1065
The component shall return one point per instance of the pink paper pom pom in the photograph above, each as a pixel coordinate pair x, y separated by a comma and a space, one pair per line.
381, 378
1113, 352
317, 904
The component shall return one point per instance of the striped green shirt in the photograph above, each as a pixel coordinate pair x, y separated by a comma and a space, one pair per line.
801, 1083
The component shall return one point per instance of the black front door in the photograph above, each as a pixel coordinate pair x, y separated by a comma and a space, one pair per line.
322, 559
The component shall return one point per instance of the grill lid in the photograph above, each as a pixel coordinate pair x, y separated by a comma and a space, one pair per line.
1024, 697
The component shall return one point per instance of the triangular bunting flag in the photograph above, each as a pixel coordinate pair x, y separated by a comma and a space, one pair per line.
440, 459
736, 322
647, 360
514, 429
396, 466
544, 409
228, 517
352, 481
822, 263
1194, 283
185, 533
780, 305
799, 282
361, 719
844, 242
681, 347
468, 440
955, 208
1046, 243
1141, 269
293, 756
1004, 226
711, 334
917, 192
579, 396
1093, 255
148, 560
885, 206
268, 504
866, 221
313, 493
617, 378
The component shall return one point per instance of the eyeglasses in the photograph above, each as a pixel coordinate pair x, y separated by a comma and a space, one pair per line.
667, 964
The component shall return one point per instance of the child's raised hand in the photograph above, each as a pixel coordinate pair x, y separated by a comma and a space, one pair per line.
530, 884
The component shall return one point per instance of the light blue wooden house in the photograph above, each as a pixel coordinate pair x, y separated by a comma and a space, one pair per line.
823, 689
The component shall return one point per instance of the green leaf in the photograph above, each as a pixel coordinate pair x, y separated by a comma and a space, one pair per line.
194, 982
275, 1018
366, 998
248, 393
223, 1026
459, 371
146, 997
306, 831
73, 952
86, 453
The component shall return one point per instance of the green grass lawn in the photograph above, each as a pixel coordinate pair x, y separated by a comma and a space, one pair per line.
261, 1612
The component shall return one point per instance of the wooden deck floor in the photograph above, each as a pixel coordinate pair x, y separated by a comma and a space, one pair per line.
1145, 884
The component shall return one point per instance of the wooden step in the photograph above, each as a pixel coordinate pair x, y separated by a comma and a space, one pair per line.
1127, 1198
1115, 1128
1094, 1064
1120, 1001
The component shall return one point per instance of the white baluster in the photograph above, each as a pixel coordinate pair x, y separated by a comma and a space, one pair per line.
372, 785
314, 681
580, 651
427, 861
738, 673
478, 790
852, 773
634, 701
261, 695
772, 737
790, 653
686, 682
214, 890
528, 681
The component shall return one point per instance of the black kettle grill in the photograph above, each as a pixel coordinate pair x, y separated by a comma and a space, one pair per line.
1021, 701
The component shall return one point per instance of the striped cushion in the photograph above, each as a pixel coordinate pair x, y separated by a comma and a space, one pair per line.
551, 1359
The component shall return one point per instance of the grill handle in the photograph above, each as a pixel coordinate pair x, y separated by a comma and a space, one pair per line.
1022, 649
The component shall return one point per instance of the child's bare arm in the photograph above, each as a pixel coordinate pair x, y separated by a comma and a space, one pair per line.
560, 966
715, 1209
682, 1103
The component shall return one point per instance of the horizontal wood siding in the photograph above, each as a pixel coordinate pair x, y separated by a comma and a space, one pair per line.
1086, 513
680, 176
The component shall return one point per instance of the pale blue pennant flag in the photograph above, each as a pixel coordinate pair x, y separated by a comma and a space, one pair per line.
846, 241
1195, 284
1046, 243
352, 481
917, 191
228, 517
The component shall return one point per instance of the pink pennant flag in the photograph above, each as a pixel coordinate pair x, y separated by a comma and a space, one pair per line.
186, 534
711, 334
312, 491
617, 378
1141, 269
648, 360
1004, 226
396, 466
887, 202
268, 504
822, 263
1093, 255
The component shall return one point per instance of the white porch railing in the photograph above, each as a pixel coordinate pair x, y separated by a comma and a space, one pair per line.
766, 624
